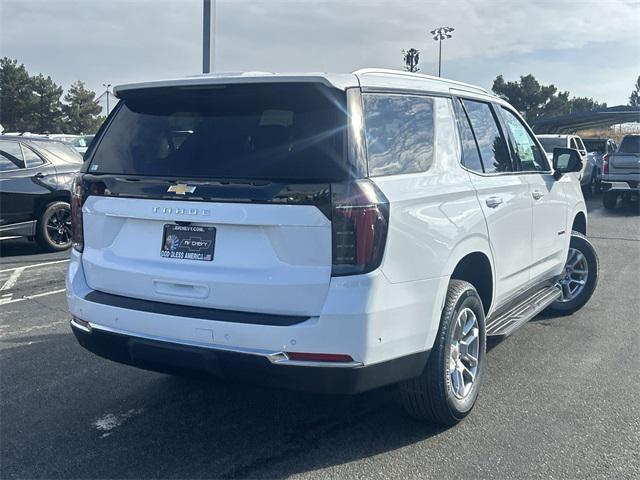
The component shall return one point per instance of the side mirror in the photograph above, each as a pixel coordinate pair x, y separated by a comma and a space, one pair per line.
566, 160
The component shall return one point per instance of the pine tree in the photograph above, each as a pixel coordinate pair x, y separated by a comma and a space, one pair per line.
634, 99
81, 110
47, 110
16, 97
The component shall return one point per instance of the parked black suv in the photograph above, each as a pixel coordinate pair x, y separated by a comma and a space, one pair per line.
35, 183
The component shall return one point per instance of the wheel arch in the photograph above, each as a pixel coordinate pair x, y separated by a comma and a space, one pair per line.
476, 269
472, 261
57, 196
580, 223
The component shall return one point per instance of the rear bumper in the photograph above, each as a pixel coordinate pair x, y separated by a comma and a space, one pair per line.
621, 186
257, 368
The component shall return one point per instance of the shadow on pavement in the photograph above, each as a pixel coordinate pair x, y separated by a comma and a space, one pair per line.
181, 427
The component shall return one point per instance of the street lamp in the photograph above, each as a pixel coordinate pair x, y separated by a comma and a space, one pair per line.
208, 35
107, 86
439, 34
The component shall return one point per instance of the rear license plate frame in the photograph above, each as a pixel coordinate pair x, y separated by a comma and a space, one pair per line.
188, 242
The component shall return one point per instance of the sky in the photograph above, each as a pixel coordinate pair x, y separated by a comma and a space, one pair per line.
590, 48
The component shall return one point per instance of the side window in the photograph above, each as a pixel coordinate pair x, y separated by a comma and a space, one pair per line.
580, 144
529, 155
30, 158
470, 153
10, 156
399, 131
573, 144
491, 143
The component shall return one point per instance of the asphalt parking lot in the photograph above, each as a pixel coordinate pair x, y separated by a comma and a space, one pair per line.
560, 398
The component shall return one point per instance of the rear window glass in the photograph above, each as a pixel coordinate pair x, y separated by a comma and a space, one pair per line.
549, 143
399, 131
266, 132
630, 144
599, 146
493, 148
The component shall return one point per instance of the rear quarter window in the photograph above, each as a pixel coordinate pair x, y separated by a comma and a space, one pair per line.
399, 131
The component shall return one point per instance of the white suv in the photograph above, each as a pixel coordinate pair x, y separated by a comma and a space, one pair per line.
330, 233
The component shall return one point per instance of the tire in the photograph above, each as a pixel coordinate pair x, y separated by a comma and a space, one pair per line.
609, 200
48, 236
568, 305
432, 395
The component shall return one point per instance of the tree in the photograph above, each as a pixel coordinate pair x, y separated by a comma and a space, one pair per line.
16, 97
634, 98
536, 101
47, 111
527, 95
81, 110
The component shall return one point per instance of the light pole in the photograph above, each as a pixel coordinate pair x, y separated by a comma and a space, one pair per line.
107, 86
208, 36
439, 34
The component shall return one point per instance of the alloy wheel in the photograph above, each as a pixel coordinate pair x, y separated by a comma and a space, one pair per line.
59, 226
464, 353
576, 273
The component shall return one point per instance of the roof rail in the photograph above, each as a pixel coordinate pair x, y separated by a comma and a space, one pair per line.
388, 71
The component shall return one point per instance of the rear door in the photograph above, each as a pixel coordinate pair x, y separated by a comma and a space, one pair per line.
20, 182
503, 195
217, 197
549, 233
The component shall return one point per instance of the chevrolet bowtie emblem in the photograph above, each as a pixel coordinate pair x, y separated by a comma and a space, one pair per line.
181, 189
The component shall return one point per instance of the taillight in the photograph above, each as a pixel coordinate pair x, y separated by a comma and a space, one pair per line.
360, 220
605, 164
77, 200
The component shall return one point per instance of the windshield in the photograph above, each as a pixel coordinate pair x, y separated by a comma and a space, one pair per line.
553, 142
599, 146
630, 144
261, 131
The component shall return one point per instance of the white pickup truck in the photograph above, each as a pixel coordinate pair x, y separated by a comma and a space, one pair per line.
621, 172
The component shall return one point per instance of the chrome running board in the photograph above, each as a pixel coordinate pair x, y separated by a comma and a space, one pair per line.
505, 323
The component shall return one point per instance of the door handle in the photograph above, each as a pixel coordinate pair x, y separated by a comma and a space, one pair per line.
537, 194
493, 202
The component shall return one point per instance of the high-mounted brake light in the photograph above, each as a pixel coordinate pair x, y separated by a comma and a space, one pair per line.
360, 220
605, 164
77, 200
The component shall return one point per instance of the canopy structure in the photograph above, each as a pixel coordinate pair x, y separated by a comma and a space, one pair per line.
573, 122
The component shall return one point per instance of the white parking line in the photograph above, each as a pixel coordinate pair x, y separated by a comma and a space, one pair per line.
8, 238
34, 265
6, 301
11, 281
